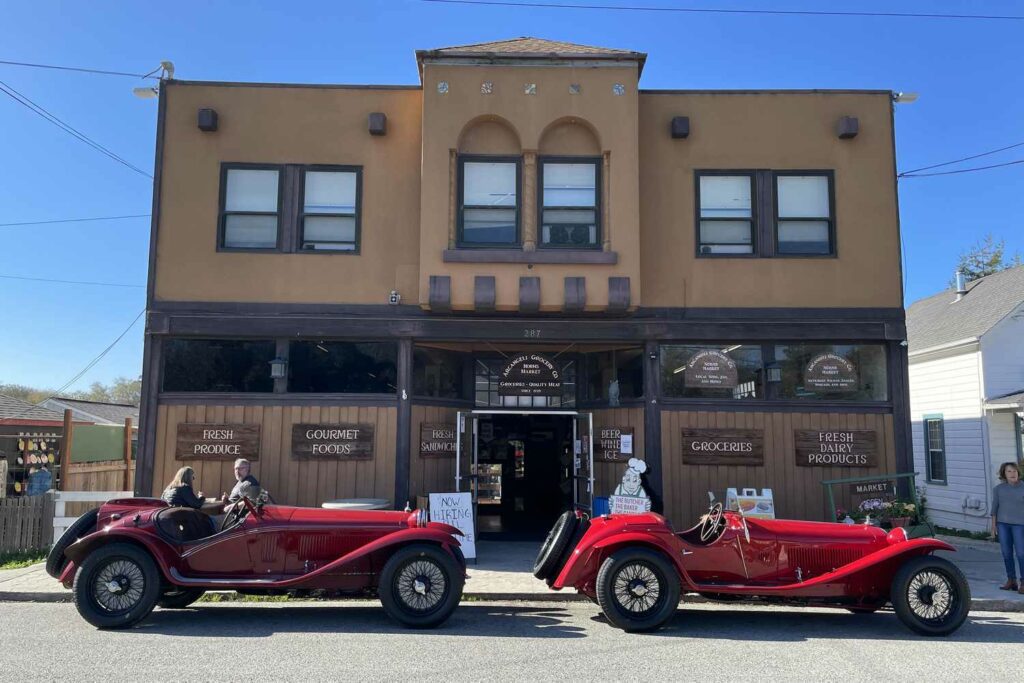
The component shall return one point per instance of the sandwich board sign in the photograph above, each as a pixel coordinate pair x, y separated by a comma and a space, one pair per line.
456, 509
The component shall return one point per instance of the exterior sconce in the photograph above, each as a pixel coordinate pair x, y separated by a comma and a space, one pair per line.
377, 123
680, 127
207, 120
848, 127
278, 368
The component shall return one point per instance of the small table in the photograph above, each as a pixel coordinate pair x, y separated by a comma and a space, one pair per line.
358, 504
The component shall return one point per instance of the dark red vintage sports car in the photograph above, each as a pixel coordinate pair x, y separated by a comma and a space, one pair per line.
132, 554
635, 566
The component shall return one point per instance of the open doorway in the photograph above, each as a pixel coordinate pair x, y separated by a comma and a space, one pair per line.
524, 472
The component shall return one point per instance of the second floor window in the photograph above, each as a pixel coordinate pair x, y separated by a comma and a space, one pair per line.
329, 211
251, 198
803, 214
570, 204
726, 222
489, 202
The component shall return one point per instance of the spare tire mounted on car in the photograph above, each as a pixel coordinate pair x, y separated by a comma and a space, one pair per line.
84, 525
549, 560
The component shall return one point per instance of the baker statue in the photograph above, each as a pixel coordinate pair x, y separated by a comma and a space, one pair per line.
630, 496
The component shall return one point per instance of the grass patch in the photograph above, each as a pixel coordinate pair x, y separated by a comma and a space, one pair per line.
21, 559
976, 535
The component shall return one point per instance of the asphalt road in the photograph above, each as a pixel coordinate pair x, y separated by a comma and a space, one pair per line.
486, 641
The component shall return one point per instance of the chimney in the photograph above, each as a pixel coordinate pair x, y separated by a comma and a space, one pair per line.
961, 286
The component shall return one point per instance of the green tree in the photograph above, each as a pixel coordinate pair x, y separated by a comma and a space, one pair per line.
985, 258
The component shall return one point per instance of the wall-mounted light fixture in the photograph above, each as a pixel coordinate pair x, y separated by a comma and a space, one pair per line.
206, 119
377, 123
680, 127
278, 368
848, 127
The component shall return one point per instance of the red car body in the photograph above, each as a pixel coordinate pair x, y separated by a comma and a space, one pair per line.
268, 549
784, 561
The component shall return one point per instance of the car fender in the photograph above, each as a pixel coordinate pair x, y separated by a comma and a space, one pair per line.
158, 549
584, 557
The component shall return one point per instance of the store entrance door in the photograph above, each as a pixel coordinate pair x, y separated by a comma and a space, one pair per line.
524, 468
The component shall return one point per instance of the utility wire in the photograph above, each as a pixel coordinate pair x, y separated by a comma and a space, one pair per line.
88, 367
38, 110
81, 69
74, 220
957, 161
706, 10
963, 170
69, 282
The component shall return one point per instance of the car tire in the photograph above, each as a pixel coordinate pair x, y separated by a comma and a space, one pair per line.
179, 598
421, 585
930, 596
116, 563
622, 577
84, 525
551, 552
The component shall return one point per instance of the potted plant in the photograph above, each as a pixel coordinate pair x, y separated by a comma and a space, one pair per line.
901, 513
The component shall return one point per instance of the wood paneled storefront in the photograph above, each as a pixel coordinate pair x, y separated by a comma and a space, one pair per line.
431, 474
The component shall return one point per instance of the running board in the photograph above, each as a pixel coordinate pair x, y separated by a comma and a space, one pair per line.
176, 575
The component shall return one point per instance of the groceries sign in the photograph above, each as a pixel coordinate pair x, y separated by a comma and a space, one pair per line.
530, 374
217, 442
332, 441
723, 446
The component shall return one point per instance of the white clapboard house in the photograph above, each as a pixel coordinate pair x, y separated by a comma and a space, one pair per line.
967, 393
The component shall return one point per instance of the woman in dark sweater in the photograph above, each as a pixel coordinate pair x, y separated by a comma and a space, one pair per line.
1008, 522
179, 493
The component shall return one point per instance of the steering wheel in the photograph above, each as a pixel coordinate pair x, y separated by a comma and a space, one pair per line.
235, 513
709, 527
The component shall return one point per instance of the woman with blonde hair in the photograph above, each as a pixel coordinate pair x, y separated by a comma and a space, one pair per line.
180, 492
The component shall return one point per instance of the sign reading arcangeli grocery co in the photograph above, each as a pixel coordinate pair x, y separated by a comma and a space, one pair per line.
710, 369
836, 448
830, 372
332, 441
437, 440
217, 441
529, 374
723, 446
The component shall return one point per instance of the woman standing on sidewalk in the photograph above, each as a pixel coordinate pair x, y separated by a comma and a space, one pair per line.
1008, 523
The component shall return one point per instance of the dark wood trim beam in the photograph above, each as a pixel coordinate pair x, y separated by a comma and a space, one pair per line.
152, 361
899, 394
776, 406
567, 256
267, 399
403, 444
652, 423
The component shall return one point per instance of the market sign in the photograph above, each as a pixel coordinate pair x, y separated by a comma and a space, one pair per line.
830, 372
836, 448
613, 444
529, 374
723, 446
865, 490
437, 440
217, 441
332, 441
710, 369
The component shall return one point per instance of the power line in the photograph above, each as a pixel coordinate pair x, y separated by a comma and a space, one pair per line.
38, 110
705, 10
69, 282
76, 220
81, 69
963, 170
957, 161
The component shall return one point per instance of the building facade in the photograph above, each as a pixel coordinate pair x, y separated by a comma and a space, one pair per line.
967, 394
387, 291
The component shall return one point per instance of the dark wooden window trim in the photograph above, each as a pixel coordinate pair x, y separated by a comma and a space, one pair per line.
755, 212
300, 201
597, 163
518, 161
222, 214
925, 419
830, 175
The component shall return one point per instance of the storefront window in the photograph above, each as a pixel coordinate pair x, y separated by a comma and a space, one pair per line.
712, 371
218, 365
343, 367
626, 366
487, 373
441, 373
830, 372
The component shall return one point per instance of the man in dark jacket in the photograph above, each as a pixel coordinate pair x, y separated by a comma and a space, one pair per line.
246, 484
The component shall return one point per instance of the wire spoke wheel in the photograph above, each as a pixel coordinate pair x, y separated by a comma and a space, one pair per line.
930, 595
421, 585
637, 588
119, 586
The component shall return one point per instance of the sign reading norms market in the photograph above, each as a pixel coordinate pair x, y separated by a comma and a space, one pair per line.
529, 374
723, 446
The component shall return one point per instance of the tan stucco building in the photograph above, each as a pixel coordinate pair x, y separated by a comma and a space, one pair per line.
531, 255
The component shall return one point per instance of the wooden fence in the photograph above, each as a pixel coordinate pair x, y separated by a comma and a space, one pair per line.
26, 523
96, 476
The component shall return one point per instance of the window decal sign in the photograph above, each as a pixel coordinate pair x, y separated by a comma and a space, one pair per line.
710, 368
530, 374
830, 372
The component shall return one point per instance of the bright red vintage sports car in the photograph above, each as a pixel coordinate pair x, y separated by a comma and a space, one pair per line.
635, 566
129, 555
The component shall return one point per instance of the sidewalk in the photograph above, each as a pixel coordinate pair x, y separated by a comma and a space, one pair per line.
504, 572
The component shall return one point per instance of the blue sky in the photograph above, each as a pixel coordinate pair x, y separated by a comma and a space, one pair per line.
967, 73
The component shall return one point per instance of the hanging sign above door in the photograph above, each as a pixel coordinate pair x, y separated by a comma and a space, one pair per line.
529, 374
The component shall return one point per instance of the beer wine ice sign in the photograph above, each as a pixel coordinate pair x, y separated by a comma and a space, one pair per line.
530, 374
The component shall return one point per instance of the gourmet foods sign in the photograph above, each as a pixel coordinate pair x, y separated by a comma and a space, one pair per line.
723, 446
217, 441
332, 441
836, 448
530, 374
